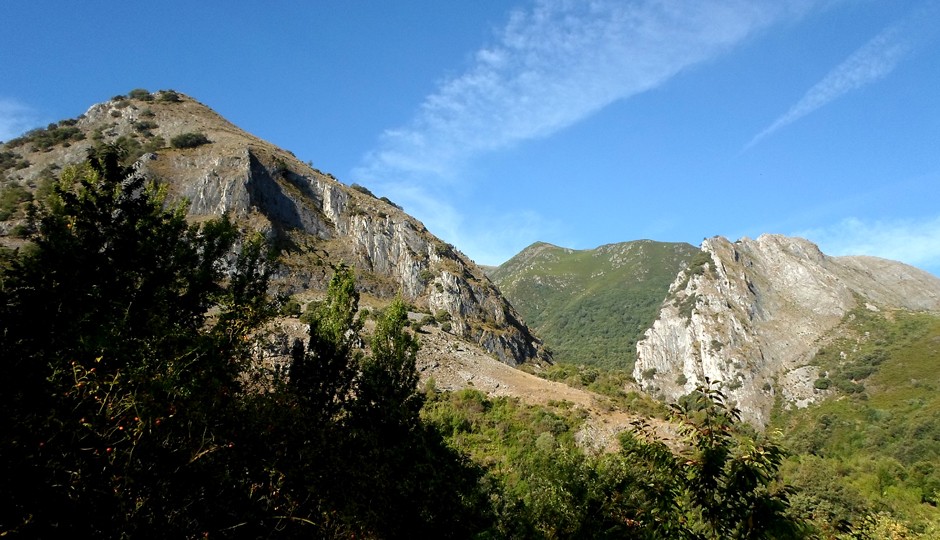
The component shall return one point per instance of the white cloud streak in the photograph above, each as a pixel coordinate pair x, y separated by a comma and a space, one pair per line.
554, 65
15, 119
549, 67
912, 241
870, 63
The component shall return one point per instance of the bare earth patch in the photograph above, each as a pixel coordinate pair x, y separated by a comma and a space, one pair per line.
455, 365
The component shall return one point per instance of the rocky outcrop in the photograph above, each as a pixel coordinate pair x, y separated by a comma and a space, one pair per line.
313, 219
752, 315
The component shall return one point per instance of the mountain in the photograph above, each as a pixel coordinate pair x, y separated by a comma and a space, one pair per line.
751, 314
754, 313
313, 220
592, 306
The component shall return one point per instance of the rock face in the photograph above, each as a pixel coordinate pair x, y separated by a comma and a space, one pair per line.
752, 315
314, 220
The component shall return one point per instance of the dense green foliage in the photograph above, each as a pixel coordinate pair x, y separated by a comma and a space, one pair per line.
141, 94
868, 457
592, 306
362, 189
169, 96
11, 160
722, 485
117, 384
13, 198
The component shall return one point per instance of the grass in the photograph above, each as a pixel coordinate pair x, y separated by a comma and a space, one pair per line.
592, 306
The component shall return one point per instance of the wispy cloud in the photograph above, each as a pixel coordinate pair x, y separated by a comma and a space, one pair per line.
556, 64
15, 118
870, 63
912, 241
548, 67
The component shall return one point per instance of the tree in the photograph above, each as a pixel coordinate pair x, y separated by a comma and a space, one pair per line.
388, 390
323, 373
342, 440
722, 485
124, 337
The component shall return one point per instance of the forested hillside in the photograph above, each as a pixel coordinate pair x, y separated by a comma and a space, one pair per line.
592, 306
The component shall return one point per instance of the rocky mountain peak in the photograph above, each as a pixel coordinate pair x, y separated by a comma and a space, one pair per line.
314, 220
752, 312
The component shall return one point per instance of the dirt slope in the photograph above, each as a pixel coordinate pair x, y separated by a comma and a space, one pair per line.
458, 365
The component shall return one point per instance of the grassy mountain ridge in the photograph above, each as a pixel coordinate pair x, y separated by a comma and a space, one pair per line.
591, 306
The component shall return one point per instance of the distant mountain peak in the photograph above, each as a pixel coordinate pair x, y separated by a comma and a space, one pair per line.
592, 305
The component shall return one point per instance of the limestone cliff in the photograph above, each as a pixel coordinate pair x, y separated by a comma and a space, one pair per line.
313, 220
753, 313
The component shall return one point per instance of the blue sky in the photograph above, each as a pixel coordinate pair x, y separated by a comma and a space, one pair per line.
578, 123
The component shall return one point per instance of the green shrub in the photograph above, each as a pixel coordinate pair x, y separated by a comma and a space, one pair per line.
144, 126
54, 134
444, 251
291, 308
20, 231
154, 144
387, 200
700, 263
141, 94
849, 387
12, 160
12, 198
189, 140
362, 189
169, 96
